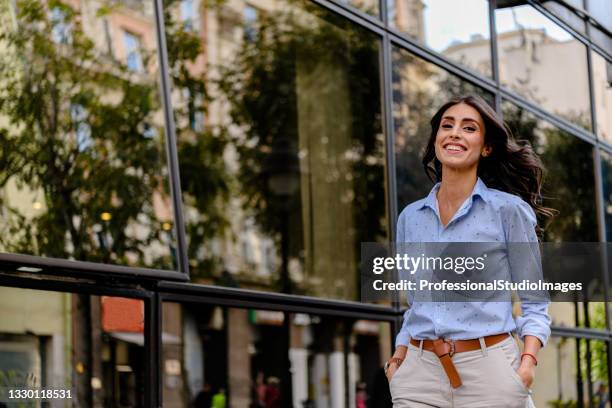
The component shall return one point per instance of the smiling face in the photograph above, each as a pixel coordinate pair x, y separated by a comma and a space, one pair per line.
460, 140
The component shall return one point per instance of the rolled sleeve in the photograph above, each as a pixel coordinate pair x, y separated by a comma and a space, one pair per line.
403, 338
534, 321
525, 263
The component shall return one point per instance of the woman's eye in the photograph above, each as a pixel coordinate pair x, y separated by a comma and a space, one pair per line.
447, 126
470, 129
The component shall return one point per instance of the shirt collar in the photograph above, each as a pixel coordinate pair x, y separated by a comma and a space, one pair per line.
480, 190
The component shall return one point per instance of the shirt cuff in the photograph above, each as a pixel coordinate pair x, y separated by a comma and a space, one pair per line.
402, 339
534, 321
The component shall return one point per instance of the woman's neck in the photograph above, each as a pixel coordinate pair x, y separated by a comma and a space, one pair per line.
456, 186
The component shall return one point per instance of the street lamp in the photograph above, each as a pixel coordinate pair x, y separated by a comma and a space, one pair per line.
282, 170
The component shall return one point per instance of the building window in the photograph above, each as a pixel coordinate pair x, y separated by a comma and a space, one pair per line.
82, 129
196, 113
131, 43
108, 38
60, 31
188, 15
250, 17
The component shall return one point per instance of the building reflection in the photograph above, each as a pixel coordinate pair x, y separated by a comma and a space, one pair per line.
330, 358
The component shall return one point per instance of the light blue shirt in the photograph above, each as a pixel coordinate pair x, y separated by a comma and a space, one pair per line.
487, 215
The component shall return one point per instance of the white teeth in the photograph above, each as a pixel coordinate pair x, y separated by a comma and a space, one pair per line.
453, 147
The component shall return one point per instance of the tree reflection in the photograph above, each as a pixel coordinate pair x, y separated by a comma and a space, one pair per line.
205, 181
312, 79
81, 154
569, 184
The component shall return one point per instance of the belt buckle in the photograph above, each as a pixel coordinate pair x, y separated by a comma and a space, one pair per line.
451, 343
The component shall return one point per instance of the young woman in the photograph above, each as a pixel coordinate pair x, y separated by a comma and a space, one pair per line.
488, 189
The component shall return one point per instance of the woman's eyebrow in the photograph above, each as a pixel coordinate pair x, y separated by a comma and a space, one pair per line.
462, 120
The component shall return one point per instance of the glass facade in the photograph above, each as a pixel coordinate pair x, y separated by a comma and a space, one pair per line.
291, 150
185, 185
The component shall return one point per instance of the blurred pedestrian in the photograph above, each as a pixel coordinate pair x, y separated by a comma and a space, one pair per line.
272, 398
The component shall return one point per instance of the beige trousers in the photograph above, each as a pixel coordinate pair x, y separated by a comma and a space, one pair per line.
489, 379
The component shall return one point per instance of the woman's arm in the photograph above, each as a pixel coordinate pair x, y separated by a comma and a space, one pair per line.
402, 339
533, 325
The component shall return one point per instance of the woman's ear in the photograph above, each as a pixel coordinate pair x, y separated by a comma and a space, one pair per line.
486, 151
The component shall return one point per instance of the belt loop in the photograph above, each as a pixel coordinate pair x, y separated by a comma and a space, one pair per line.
420, 348
483, 346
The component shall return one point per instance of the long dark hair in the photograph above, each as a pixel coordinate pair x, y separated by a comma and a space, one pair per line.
512, 166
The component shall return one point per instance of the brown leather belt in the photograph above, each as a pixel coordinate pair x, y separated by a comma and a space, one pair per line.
445, 349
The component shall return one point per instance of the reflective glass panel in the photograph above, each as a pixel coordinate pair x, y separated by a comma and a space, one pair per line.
419, 89
602, 86
566, 14
256, 358
531, 51
369, 6
82, 166
602, 39
601, 10
569, 184
606, 169
91, 348
457, 29
280, 145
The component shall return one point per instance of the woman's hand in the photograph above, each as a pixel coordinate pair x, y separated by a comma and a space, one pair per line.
526, 371
400, 353
528, 360
392, 369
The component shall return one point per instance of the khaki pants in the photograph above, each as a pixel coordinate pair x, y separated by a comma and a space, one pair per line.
488, 376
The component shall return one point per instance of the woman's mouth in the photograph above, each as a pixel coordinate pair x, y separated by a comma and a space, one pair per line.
454, 148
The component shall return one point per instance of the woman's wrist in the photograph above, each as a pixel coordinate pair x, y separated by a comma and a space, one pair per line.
400, 352
529, 356
526, 361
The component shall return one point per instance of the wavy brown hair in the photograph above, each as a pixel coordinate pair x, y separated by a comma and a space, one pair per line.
512, 166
